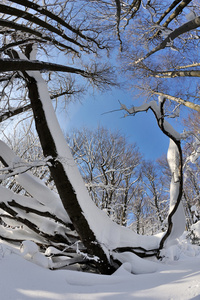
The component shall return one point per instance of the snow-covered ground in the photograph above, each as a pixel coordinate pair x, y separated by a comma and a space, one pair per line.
174, 279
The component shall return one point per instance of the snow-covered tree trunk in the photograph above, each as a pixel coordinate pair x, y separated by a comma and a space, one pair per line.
176, 216
62, 167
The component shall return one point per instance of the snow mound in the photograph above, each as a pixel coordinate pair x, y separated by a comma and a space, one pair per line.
182, 249
196, 229
30, 251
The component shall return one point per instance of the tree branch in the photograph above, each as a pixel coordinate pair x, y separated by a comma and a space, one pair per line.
7, 64
27, 16
45, 214
12, 113
191, 25
20, 43
42, 10
22, 28
188, 66
57, 238
118, 16
134, 7
166, 128
176, 167
168, 10
179, 100
173, 74
99, 77
177, 11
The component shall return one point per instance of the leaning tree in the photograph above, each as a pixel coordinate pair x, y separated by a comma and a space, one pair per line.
35, 36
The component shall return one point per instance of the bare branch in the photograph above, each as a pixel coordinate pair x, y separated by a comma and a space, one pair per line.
173, 74
118, 16
21, 43
22, 28
177, 11
179, 100
134, 7
188, 66
168, 10
35, 65
42, 10
12, 113
191, 25
30, 17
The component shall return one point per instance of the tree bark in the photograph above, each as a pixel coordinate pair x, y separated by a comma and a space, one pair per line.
64, 187
179, 100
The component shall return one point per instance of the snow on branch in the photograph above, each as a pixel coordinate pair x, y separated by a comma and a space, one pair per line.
21, 167
34, 186
157, 109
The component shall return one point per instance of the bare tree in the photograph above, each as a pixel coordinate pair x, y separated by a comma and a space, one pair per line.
165, 55
109, 166
157, 198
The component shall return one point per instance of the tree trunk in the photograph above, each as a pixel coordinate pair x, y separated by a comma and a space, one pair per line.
63, 185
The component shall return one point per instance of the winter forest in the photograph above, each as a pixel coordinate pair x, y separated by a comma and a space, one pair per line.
88, 200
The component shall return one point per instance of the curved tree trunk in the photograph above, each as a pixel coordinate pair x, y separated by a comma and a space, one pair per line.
176, 217
176, 224
63, 185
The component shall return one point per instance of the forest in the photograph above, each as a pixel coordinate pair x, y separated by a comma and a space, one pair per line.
88, 198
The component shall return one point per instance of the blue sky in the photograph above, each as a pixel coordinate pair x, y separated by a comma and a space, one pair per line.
141, 129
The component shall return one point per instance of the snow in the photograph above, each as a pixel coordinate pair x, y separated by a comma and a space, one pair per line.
30, 251
178, 218
173, 160
196, 153
32, 185
196, 229
135, 264
176, 277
